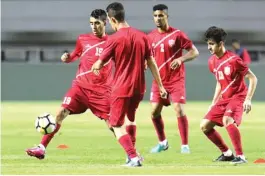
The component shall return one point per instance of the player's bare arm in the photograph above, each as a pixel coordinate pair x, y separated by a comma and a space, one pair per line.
153, 67
251, 90
74, 55
190, 55
97, 66
217, 93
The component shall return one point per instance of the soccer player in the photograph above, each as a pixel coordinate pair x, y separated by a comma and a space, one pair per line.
88, 91
241, 51
129, 48
231, 96
168, 44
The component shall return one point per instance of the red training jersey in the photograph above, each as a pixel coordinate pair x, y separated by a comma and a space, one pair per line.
128, 48
229, 71
166, 47
88, 49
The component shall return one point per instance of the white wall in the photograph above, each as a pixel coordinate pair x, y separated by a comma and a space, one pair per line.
189, 15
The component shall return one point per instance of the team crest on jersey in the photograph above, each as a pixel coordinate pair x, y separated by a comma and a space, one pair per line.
171, 42
87, 46
227, 70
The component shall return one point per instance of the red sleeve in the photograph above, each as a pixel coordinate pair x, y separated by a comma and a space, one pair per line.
108, 51
148, 48
184, 41
77, 51
241, 67
245, 56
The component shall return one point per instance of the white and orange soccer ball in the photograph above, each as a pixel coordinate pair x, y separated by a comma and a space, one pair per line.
45, 123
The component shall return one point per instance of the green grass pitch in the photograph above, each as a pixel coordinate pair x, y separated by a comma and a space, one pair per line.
93, 149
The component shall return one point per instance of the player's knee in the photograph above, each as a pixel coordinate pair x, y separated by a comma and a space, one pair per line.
155, 113
61, 115
203, 127
227, 121
179, 110
130, 121
119, 132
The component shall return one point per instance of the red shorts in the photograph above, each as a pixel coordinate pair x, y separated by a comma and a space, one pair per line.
231, 108
77, 100
176, 92
121, 106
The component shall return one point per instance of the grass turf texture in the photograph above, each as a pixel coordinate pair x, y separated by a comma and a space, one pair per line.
93, 149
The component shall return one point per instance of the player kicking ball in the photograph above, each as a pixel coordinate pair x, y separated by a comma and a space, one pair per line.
231, 96
88, 91
168, 44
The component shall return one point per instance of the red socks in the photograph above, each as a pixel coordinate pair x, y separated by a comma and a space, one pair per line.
48, 137
215, 137
131, 130
183, 126
235, 138
127, 145
159, 127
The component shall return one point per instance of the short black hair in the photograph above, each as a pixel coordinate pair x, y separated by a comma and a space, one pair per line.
160, 7
216, 34
99, 14
117, 11
235, 41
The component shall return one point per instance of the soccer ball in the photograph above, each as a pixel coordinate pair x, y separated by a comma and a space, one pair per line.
45, 124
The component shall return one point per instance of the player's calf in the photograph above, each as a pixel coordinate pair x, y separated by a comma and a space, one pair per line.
61, 115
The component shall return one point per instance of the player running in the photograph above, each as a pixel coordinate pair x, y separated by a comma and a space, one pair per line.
231, 96
168, 44
88, 91
129, 49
